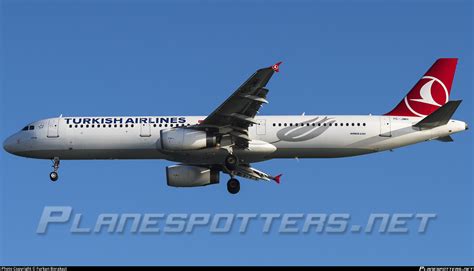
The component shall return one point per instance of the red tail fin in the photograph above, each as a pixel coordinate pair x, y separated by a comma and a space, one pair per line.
430, 93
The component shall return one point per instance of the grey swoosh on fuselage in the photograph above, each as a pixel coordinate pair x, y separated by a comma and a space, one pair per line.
304, 132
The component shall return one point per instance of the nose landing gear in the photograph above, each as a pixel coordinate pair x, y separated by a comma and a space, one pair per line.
54, 174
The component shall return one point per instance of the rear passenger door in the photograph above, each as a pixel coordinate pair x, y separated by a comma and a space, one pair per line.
385, 126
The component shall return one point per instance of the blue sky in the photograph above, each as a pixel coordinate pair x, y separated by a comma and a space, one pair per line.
184, 58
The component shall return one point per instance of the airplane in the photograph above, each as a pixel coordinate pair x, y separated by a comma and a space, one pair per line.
232, 137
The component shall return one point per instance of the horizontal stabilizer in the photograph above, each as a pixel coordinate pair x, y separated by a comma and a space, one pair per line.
445, 139
439, 117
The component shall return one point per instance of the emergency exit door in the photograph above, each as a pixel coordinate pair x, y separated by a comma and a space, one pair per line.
145, 130
261, 127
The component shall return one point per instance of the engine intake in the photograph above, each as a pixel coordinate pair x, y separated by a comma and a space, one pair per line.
181, 139
190, 176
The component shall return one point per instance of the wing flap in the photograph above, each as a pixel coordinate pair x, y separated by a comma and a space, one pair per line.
248, 172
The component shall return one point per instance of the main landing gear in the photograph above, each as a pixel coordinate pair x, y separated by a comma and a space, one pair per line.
233, 186
231, 162
54, 174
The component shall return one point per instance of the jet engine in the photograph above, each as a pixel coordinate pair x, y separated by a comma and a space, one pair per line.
190, 176
181, 139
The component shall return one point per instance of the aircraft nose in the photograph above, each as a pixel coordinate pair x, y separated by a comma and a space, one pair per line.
9, 145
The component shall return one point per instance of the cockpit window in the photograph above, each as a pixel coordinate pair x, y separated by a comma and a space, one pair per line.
28, 127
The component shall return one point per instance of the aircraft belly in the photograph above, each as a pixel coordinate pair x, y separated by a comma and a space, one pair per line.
319, 152
99, 154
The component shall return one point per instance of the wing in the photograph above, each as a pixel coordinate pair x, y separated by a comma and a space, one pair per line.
245, 171
235, 114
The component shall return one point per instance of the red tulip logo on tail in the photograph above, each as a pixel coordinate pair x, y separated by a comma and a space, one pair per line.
430, 92
276, 67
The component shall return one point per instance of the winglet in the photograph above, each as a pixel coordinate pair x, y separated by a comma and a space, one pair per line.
277, 178
276, 67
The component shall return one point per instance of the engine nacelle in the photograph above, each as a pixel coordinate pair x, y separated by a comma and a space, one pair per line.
181, 139
190, 176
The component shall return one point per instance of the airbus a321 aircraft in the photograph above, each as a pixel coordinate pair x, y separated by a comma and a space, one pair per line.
233, 136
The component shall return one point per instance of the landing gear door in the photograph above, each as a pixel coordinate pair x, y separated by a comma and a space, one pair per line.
261, 127
145, 130
385, 126
53, 128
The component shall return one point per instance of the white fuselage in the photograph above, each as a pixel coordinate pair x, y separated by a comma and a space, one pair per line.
307, 136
